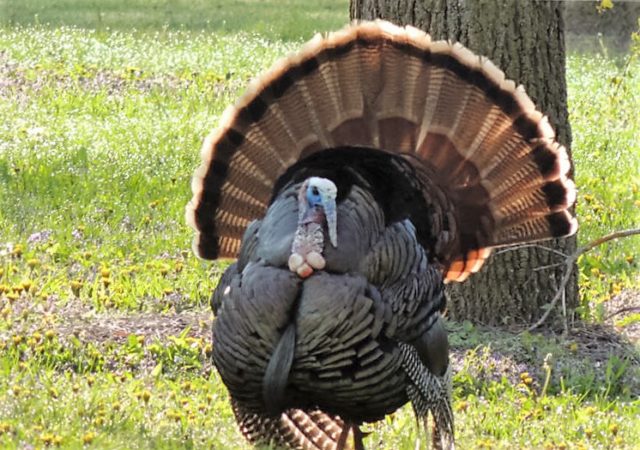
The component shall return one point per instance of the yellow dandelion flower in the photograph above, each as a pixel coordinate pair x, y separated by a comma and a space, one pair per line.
47, 438
16, 390
462, 406
616, 289
88, 438
76, 285
33, 263
573, 347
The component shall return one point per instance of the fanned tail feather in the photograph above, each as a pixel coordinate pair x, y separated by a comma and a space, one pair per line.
488, 160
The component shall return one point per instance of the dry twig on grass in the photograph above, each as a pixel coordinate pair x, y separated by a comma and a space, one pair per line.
569, 263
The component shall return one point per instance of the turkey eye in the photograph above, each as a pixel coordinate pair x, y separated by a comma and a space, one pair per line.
314, 191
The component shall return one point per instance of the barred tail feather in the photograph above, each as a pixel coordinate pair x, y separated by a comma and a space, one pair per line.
495, 170
293, 429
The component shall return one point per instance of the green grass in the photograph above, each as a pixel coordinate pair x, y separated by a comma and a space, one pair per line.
284, 19
603, 102
100, 129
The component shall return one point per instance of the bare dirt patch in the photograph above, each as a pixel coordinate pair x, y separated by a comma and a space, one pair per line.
620, 309
489, 356
584, 355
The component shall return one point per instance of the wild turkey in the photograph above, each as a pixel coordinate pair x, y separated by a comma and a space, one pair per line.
351, 181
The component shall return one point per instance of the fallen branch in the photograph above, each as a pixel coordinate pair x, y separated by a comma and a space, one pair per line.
632, 309
571, 260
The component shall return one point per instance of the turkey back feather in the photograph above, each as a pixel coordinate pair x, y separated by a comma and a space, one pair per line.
485, 161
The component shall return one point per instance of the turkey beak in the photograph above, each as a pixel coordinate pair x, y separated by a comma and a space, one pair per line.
329, 207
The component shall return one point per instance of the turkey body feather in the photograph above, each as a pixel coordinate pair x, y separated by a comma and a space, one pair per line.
377, 290
350, 182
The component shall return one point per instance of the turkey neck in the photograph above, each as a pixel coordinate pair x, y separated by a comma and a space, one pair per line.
309, 235
391, 179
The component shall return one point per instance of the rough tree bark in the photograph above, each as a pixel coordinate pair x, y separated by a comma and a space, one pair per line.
526, 40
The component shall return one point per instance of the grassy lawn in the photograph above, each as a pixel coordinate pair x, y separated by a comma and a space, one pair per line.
281, 19
103, 308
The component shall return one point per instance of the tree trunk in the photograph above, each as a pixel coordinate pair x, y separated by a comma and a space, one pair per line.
526, 40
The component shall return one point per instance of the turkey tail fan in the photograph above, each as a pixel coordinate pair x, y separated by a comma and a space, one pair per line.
294, 428
488, 160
